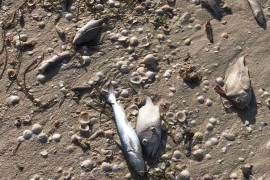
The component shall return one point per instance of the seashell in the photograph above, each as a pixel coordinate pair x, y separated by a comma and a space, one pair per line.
136, 79
150, 61
84, 129
11, 73
181, 116
88, 32
84, 118
258, 12
51, 62
237, 88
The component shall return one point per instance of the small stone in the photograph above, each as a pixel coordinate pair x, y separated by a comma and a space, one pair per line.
197, 27
42, 137
187, 41
209, 126
44, 153
27, 134
213, 120
41, 24
220, 81
36, 128
20, 139
69, 16
228, 135
207, 177
56, 137
214, 141
106, 167
200, 99
198, 154
184, 175
87, 165
208, 102
41, 78
184, 19
176, 155
13, 100
225, 35
133, 41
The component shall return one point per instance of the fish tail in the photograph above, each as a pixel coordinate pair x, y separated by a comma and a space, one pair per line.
111, 96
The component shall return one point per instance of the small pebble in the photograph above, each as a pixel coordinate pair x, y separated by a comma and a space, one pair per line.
106, 167
42, 137
187, 42
27, 134
198, 154
220, 81
13, 100
87, 165
36, 128
56, 137
44, 153
176, 155
209, 102
200, 99
184, 175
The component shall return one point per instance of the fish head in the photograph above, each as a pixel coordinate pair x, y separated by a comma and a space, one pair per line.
150, 140
136, 162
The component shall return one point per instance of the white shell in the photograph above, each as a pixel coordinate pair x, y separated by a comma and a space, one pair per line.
237, 83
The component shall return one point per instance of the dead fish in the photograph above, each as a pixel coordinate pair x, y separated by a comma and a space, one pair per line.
209, 32
89, 32
237, 88
129, 140
45, 65
213, 6
257, 12
148, 128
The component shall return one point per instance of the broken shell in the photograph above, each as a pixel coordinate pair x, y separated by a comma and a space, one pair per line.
181, 116
237, 87
88, 32
136, 79
84, 118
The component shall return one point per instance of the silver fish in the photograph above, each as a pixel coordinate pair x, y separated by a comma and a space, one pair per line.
129, 140
237, 84
148, 128
257, 12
